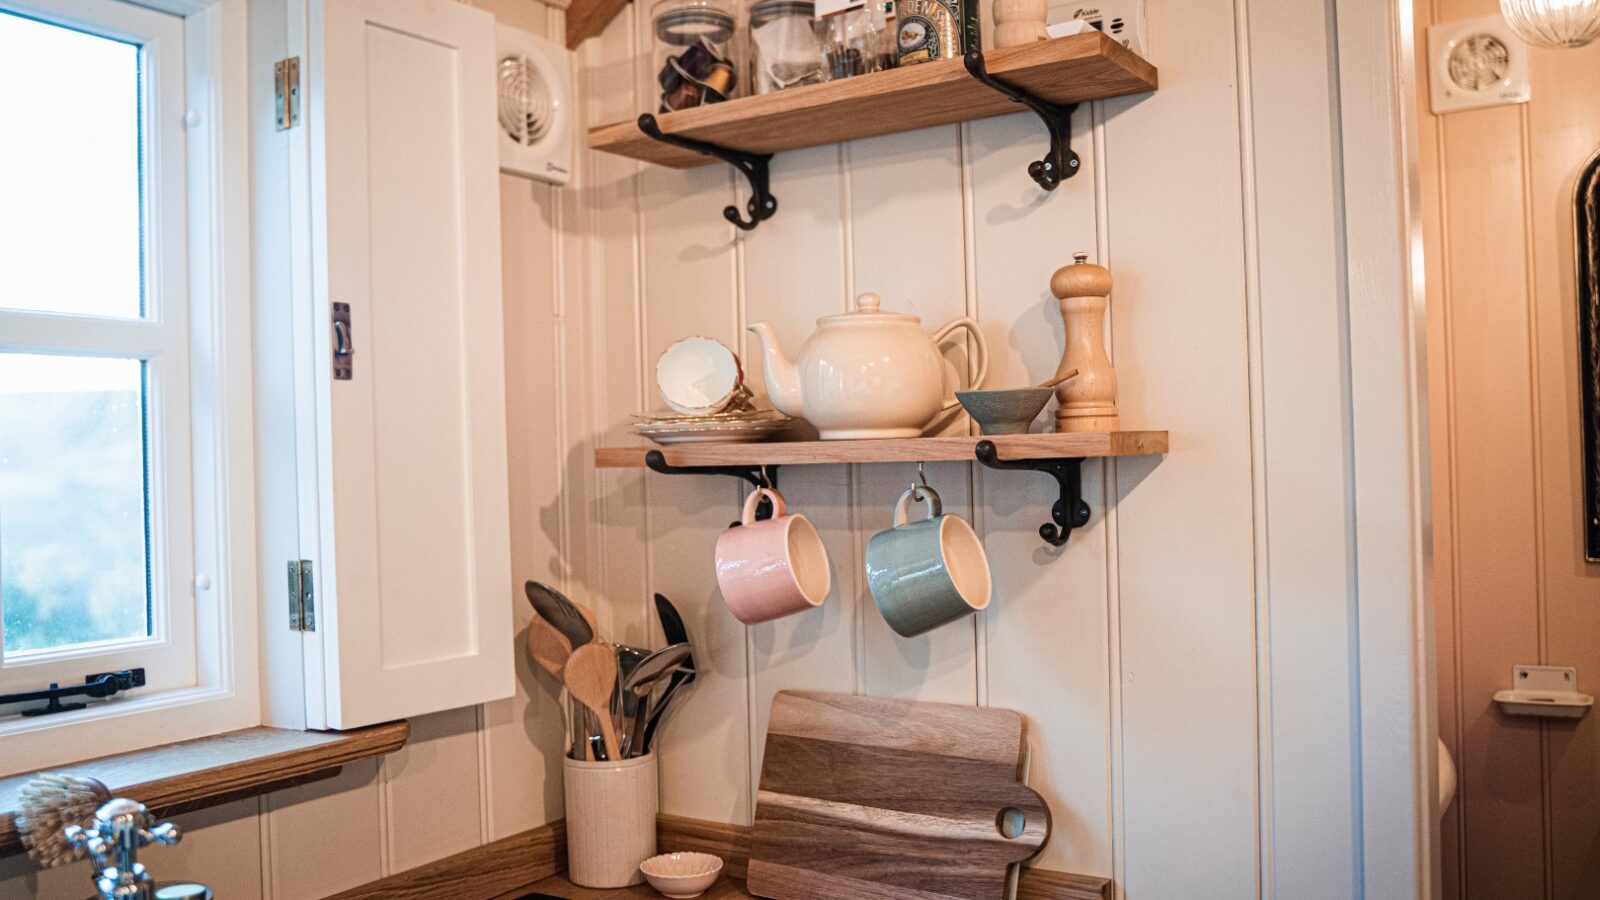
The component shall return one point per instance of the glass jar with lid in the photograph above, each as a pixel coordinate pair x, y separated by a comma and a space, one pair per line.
784, 50
694, 52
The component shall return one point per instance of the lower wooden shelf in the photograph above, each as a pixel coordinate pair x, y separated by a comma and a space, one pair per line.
1057, 455
1081, 445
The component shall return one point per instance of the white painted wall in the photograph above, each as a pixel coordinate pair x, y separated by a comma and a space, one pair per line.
1189, 662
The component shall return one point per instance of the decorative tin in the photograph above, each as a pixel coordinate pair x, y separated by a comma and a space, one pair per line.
935, 29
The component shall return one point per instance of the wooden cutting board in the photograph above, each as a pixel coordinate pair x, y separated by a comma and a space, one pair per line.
888, 799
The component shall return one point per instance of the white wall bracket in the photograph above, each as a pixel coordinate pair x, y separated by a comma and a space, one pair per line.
1549, 691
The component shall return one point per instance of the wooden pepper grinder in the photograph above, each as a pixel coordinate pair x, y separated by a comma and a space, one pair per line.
1089, 401
1019, 22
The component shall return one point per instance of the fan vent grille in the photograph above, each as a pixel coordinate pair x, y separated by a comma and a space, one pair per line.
525, 107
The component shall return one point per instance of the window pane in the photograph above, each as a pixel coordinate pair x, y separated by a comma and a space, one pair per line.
70, 171
74, 541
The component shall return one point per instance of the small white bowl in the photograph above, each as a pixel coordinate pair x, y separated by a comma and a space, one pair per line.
682, 875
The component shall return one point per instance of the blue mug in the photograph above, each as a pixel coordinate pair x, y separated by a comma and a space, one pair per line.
928, 573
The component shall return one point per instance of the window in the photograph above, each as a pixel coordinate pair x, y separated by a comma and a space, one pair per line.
112, 460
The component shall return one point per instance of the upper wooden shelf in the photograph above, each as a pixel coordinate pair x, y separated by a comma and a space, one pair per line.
1080, 445
1065, 70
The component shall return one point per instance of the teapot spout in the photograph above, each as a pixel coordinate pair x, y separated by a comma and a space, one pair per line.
782, 380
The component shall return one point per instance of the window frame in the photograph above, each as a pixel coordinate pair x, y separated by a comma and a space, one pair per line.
218, 447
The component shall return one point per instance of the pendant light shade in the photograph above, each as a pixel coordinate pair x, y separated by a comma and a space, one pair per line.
1554, 23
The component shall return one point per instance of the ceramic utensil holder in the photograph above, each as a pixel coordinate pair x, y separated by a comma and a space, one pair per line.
611, 820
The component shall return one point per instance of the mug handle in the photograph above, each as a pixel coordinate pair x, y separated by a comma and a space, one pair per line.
980, 349
754, 500
931, 496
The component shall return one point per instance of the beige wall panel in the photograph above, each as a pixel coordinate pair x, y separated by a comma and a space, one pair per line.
326, 836
221, 849
524, 733
608, 219
433, 799
1563, 133
908, 245
1185, 533
688, 258
1045, 633
529, 15
1497, 591
794, 272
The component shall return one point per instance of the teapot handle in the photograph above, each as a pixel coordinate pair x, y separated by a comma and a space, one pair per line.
980, 349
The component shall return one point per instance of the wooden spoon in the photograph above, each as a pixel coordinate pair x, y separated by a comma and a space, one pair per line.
1070, 373
549, 646
592, 678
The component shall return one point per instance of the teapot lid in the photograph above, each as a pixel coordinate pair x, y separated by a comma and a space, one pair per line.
867, 310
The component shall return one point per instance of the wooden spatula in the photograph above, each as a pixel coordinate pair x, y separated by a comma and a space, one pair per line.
591, 674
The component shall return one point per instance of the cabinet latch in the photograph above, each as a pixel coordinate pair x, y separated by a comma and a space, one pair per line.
302, 596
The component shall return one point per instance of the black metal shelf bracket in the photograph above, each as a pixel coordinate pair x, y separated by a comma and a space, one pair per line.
758, 476
762, 204
1070, 511
1060, 163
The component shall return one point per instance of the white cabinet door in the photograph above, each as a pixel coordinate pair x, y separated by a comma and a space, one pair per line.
414, 585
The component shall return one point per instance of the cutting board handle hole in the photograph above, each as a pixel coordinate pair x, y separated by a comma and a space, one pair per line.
1011, 823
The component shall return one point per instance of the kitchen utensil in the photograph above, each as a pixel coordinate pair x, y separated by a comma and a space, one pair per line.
928, 573
771, 568
681, 876
1006, 411
548, 646
1063, 376
555, 608
634, 708
676, 633
863, 797
866, 374
611, 819
1089, 403
698, 376
591, 674
640, 683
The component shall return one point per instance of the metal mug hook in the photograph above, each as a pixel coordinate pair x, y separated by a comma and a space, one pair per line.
920, 483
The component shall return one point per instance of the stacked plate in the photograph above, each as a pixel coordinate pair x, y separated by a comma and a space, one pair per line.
703, 383
739, 427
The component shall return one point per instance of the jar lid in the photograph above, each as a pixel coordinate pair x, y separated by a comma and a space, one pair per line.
764, 11
688, 26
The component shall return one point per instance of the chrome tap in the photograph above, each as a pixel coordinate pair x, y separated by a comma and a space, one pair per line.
120, 828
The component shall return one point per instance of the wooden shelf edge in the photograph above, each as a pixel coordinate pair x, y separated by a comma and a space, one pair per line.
1064, 70
1084, 445
206, 771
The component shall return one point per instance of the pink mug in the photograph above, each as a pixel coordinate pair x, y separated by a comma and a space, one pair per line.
773, 568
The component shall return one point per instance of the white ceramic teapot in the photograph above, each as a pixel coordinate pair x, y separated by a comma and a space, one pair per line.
866, 374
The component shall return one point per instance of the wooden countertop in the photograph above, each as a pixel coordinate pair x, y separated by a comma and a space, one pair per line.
558, 886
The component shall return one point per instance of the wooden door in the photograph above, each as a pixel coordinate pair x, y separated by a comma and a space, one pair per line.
414, 583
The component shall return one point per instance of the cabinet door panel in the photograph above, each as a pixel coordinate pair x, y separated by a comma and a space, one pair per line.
415, 558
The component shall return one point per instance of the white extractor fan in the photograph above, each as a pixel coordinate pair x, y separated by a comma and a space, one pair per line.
535, 106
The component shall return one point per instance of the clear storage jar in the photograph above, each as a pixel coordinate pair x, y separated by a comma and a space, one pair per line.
694, 52
784, 50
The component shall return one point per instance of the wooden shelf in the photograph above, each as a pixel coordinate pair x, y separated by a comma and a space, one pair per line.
1065, 70
1083, 445
208, 771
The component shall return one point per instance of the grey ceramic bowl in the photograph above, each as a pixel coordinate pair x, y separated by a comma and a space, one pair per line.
1008, 411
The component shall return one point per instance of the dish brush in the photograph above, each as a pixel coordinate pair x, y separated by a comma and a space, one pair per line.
46, 805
